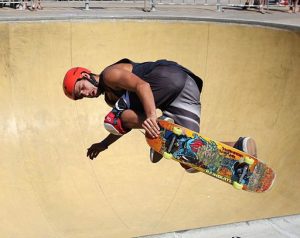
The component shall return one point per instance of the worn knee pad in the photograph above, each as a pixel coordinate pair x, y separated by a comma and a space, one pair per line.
113, 122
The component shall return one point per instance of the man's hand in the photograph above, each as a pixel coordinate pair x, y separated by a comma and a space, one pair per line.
151, 127
95, 149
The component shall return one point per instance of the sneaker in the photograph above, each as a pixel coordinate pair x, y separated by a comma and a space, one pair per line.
189, 169
154, 156
247, 145
169, 119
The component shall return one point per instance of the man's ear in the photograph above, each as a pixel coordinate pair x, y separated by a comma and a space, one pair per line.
85, 75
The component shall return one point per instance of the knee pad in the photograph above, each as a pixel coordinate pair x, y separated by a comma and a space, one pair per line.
113, 122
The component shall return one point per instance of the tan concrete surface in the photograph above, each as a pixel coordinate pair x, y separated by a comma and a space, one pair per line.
50, 189
278, 227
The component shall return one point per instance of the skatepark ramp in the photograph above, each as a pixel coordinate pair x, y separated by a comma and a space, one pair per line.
50, 189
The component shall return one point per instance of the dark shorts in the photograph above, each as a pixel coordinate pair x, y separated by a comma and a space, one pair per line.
186, 108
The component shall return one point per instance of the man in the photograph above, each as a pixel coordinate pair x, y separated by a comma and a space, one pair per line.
135, 91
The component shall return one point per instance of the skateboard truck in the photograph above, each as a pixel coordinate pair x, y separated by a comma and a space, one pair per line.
247, 161
177, 132
171, 144
245, 170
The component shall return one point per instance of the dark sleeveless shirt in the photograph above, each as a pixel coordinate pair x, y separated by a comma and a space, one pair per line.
142, 69
166, 79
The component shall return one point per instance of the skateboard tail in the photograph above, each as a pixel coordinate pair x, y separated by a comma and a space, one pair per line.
262, 179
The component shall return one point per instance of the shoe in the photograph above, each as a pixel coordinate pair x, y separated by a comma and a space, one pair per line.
261, 9
169, 119
154, 156
189, 169
246, 6
247, 145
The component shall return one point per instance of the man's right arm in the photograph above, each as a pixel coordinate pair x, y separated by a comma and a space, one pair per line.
96, 148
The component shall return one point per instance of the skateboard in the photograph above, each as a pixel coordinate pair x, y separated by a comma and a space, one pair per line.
211, 157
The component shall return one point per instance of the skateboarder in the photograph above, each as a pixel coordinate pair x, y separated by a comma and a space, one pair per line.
135, 91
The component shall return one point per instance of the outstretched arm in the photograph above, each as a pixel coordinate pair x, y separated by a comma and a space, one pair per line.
96, 148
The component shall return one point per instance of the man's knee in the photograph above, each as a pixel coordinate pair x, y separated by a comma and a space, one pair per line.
114, 124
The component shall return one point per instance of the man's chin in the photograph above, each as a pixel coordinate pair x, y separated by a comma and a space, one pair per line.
97, 94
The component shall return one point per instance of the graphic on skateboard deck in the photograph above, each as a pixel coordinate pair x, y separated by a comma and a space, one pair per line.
214, 158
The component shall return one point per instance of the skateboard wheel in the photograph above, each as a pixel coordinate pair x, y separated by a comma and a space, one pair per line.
177, 131
167, 155
237, 185
249, 160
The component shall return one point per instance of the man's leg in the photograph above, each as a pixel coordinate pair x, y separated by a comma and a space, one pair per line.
186, 110
246, 144
132, 120
121, 120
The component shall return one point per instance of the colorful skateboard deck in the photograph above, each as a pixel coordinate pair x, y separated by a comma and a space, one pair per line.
216, 159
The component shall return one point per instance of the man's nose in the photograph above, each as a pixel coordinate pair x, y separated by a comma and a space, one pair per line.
84, 93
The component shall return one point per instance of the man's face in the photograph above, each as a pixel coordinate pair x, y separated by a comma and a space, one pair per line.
83, 88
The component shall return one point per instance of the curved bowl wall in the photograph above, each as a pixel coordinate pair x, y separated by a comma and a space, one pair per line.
50, 189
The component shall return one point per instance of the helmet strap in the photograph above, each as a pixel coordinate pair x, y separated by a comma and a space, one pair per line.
99, 85
92, 80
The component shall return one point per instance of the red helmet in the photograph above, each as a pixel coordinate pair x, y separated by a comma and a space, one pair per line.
71, 77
